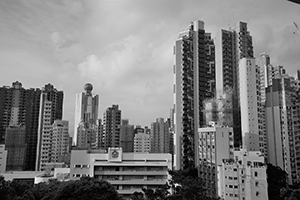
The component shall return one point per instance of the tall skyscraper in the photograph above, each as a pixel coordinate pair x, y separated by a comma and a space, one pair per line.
127, 136
282, 125
86, 109
60, 140
51, 109
111, 127
193, 82
19, 108
231, 46
253, 134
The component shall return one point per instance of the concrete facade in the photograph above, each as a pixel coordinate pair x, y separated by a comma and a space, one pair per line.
86, 109
3, 157
193, 53
127, 172
142, 143
244, 177
253, 132
213, 145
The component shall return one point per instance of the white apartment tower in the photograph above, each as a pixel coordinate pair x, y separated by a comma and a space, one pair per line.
253, 134
213, 145
45, 134
244, 177
86, 109
60, 140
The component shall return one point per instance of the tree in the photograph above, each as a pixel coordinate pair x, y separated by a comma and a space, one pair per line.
186, 185
277, 180
85, 188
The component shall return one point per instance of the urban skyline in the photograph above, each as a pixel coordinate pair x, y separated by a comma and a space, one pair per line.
140, 76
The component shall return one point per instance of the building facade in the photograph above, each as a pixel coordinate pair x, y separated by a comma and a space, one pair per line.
86, 109
283, 125
127, 136
51, 109
142, 143
253, 132
231, 46
20, 106
3, 158
192, 75
127, 172
15, 144
111, 127
244, 177
60, 140
213, 145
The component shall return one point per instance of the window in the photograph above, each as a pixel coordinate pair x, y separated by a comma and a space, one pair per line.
255, 174
256, 183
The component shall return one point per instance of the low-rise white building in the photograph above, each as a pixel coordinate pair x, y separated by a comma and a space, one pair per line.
3, 157
244, 177
127, 172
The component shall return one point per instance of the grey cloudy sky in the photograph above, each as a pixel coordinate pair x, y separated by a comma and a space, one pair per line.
124, 47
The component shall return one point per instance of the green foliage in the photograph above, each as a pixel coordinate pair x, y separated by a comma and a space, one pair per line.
85, 188
277, 180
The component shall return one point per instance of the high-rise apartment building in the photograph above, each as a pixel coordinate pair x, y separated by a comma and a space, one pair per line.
15, 144
142, 143
86, 136
282, 125
213, 145
86, 109
99, 133
161, 136
60, 140
243, 177
127, 136
231, 46
111, 127
253, 132
51, 109
20, 107
193, 82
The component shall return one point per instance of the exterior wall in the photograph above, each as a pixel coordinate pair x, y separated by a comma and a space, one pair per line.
213, 145
127, 172
45, 133
60, 140
51, 109
243, 177
127, 136
142, 143
23, 105
190, 89
86, 110
28, 175
231, 46
86, 137
3, 158
273, 127
15, 144
111, 127
283, 114
254, 137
